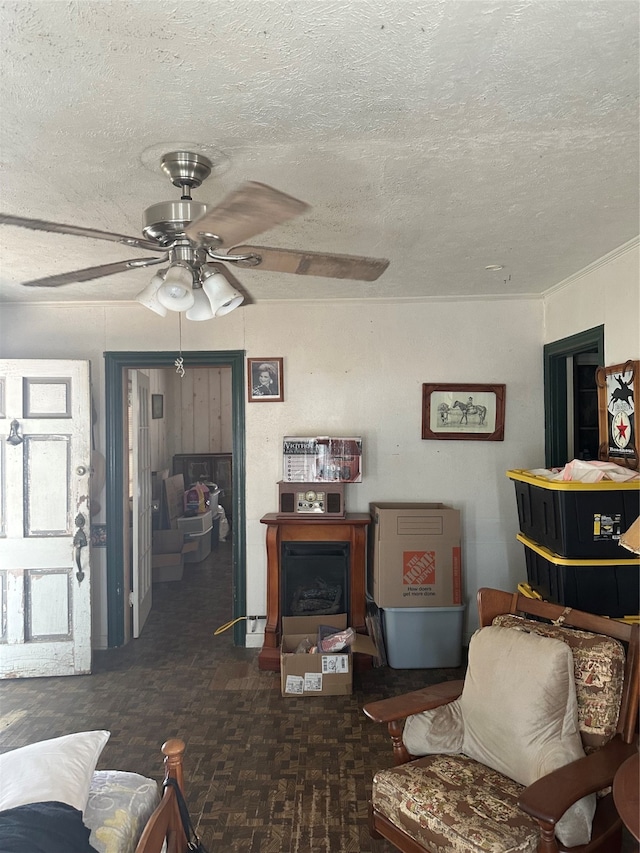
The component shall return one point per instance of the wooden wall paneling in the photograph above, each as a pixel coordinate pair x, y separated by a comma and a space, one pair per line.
201, 411
226, 416
215, 405
187, 415
170, 408
198, 411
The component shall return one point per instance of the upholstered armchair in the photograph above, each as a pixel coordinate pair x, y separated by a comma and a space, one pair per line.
521, 755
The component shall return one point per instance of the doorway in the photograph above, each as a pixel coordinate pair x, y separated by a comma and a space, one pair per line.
116, 366
570, 397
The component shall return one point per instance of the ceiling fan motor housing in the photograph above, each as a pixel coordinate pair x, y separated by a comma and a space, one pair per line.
166, 221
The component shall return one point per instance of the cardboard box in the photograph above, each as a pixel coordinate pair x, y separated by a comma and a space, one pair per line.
414, 555
317, 674
321, 459
168, 555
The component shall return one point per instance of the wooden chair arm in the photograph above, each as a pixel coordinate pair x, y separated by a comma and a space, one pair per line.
548, 799
400, 707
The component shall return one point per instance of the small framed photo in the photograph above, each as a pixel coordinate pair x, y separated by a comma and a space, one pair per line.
157, 406
98, 535
466, 412
618, 422
265, 380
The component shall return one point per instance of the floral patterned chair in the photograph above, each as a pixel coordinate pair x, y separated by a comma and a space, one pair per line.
511, 777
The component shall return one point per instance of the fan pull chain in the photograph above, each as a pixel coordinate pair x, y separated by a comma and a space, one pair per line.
179, 362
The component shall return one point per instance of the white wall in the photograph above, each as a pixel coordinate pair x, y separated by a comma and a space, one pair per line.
608, 292
357, 369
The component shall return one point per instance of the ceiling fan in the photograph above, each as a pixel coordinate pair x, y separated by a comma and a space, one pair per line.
197, 239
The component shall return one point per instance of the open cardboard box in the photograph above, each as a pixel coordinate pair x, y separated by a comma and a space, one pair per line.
318, 674
168, 553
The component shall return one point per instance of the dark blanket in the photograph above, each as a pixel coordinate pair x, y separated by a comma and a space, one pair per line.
44, 828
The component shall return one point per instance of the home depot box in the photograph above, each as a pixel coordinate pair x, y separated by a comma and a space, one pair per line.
321, 459
317, 674
414, 555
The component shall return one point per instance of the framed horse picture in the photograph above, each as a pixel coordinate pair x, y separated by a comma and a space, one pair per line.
465, 412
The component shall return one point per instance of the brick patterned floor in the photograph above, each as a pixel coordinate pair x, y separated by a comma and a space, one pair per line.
263, 773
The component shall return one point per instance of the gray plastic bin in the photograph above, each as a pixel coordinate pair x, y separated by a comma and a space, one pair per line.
423, 637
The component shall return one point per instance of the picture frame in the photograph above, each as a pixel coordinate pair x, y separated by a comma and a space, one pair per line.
157, 406
463, 411
618, 423
98, 535
265, 382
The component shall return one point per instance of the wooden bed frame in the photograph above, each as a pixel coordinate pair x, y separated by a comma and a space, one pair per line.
165, 823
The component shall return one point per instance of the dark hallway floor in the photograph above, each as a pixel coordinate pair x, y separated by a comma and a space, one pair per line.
264, 773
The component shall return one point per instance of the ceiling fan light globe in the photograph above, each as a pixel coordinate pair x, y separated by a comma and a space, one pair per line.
222, 296
201, 308
230, 304
175, 297
176, 292
149, 295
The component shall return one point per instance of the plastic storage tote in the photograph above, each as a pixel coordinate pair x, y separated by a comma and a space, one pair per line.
423, 637
605, 587
573, 519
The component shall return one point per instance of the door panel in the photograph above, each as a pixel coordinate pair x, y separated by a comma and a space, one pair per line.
44, 493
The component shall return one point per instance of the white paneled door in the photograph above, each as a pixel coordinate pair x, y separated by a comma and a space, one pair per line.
142, 509
45, 576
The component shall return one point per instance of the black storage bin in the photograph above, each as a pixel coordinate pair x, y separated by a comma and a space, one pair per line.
605, 587
573, 519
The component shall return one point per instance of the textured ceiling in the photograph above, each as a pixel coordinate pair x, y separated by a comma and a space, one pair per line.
445, 135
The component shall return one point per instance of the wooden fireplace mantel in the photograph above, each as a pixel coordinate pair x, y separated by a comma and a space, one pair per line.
352, 529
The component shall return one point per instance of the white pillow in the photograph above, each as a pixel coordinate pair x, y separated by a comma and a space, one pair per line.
59, 769
439, 731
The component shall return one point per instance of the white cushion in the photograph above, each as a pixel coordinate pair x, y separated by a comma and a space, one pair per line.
517, 714
51, 770
436, 732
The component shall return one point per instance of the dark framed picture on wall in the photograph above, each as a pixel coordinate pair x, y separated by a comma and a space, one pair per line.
618, 389
157, 406
265, 381
464, 411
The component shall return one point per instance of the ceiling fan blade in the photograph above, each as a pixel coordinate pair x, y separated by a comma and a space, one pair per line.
247, 211
313, 263
92, 272
233, 281
77, 231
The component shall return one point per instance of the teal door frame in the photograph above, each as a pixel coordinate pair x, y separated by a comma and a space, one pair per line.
556, 356
116, 363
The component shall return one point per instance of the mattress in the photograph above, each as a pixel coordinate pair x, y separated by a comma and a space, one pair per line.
119, 806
